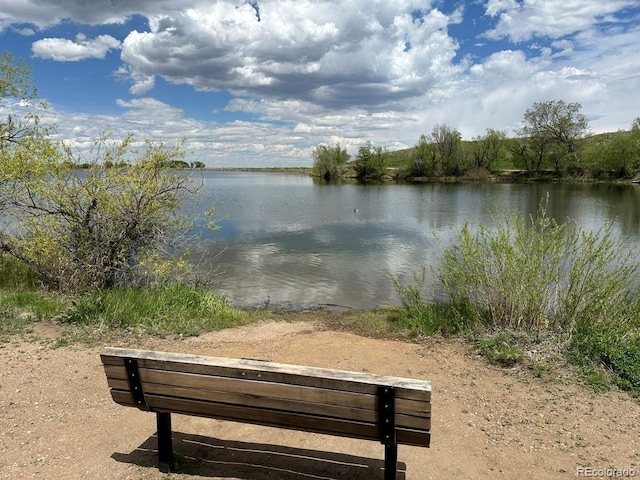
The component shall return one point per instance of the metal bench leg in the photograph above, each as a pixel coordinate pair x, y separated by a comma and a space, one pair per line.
165, 447
391, 461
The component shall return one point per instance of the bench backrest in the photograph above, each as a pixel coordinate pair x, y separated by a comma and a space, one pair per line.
319, 400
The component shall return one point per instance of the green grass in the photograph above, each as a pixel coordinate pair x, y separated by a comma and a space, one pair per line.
171, 309
177, 309
607, 348
21, 304
18, 309
15, 275
501, 349
433, 319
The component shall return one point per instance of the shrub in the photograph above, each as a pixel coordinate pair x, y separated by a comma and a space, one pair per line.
423, 318
329, 162
98, 228
537, 282
537, 275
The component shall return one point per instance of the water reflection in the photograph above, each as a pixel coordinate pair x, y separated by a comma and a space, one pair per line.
286, 239
338, 264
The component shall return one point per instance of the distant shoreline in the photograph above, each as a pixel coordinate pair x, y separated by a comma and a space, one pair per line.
289, 170
500, 176
399, 175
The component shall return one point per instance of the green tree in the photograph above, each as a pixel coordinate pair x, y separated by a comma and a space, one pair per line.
370, 162
448, 145
328, 162
486, 149
553, 129
424, 162
621, 155
635, 141
616, 155
21, 137
527, 154
177, 164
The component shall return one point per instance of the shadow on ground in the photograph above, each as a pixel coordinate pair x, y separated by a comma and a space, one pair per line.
212, 457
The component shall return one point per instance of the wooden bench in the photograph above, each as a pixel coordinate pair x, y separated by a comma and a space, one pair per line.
349, 404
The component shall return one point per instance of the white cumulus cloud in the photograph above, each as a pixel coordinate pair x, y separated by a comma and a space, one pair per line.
64, 50
333, 53
549, 18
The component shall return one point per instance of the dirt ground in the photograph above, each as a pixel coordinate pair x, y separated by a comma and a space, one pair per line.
57, 419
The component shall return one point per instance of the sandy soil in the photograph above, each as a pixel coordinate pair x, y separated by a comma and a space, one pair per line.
57, 420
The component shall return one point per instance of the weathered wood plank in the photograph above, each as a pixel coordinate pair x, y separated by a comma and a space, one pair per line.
282, 404
259, 388
309, 423
117, 375
246, 368
118, 383
271, 372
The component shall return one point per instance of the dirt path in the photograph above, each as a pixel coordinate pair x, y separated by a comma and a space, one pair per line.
57, 420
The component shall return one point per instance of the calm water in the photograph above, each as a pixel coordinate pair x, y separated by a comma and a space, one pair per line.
284, 238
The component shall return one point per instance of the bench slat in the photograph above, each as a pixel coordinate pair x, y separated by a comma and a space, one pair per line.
293, 406
419, 396
210, 388
409, 408
272, 372
273, 418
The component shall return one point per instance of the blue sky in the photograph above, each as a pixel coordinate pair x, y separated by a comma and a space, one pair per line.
261, 83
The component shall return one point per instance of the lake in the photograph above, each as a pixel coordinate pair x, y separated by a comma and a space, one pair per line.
288, 238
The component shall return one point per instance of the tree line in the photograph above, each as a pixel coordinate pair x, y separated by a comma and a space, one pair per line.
554, 138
